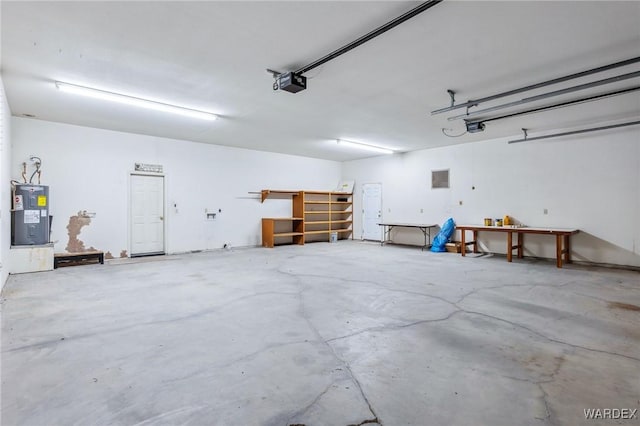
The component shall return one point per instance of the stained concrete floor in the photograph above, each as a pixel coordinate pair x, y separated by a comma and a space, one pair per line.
322, 334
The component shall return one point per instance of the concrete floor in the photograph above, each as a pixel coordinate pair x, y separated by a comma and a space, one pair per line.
322, 334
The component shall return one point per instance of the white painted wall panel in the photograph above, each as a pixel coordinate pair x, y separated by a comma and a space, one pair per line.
588, 181
88, 169
5, 190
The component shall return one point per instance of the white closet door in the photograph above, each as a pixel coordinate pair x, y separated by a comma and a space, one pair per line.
147, 215
371, 211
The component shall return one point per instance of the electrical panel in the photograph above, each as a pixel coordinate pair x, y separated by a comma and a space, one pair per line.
30, 215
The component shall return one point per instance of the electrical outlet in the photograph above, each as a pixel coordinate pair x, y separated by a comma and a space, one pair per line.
460, 202
421, 210
545, 211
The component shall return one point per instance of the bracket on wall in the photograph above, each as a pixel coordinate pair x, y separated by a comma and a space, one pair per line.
525, 134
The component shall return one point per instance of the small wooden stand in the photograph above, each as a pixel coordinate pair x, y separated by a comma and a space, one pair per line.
77, 258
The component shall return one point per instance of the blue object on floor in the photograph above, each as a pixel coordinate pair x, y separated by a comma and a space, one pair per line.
443, 237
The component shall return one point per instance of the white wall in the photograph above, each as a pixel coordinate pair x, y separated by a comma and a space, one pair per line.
5, 190
88, 169
589, 181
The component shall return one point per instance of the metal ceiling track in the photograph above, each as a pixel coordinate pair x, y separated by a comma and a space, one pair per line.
373, 34
559, 105
550, 94
477, 102
574, 132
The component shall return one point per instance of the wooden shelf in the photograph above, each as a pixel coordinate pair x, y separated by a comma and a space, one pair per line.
322, 192
322, 231
288, 234
326, 215
272, 228
327, 231
276, 193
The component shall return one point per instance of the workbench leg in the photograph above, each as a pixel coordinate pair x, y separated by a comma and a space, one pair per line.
559, 251
520, 245
567, 249
475, 242
463, 248
509, 246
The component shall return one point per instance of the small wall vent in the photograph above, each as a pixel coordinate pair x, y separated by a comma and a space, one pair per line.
439, 179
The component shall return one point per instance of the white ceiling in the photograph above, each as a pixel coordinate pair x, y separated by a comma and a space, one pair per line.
213, 55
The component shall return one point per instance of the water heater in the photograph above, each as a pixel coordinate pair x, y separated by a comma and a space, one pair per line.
30, 215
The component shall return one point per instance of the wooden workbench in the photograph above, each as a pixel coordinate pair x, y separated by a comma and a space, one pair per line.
563, 243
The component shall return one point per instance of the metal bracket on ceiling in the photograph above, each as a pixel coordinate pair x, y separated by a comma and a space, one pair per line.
452, 94
525, 133
549, 83
275, 75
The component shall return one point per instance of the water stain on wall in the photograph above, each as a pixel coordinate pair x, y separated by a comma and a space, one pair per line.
75, 245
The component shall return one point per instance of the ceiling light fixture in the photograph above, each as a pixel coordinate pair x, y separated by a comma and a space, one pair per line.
364, 146
131, 100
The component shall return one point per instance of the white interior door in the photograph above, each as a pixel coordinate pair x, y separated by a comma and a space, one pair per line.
147, 215
371, 211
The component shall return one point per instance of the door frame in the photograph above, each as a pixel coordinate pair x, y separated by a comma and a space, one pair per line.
164, 209
362, 210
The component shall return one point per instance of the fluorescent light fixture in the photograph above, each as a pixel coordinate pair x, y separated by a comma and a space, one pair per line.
364, 146
131, 100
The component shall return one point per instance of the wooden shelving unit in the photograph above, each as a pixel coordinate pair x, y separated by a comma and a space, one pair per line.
278, 230
326, 213
316, 215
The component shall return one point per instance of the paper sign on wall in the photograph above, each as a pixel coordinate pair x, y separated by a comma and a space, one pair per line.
345, 186
32, 216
